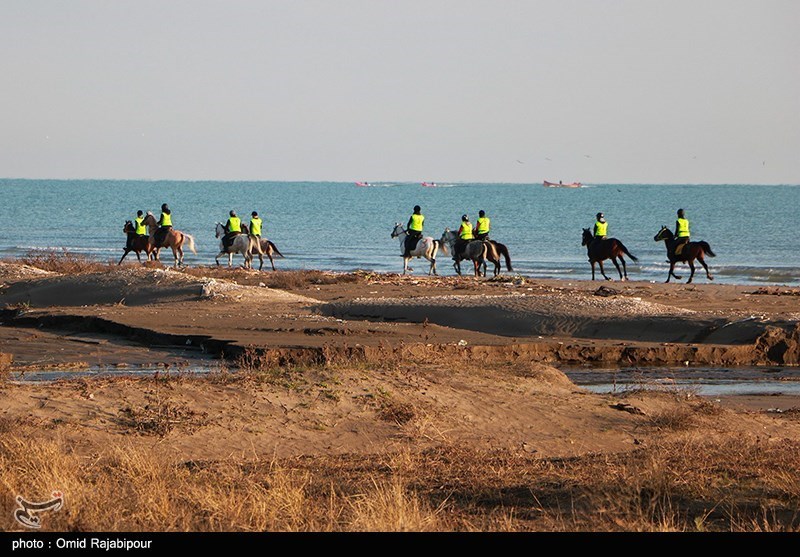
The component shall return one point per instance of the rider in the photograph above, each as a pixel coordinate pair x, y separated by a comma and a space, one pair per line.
465, 236
164, 225
255, 224
232, 229
483, 225
414, 230
139, 229
600, 227
681, 231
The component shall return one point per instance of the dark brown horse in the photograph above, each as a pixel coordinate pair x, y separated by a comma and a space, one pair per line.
689, 252
607, 248
137, 243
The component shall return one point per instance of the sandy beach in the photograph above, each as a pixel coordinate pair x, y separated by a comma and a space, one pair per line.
312, 365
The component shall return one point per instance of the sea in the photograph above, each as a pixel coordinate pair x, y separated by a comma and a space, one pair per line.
339, 226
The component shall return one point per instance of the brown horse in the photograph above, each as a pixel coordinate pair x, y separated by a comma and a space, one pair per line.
689, 252
494, 251
137, 243
607, 248
174, 239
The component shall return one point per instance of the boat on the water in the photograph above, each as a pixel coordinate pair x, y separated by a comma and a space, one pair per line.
362, 184
428, 184
562, 185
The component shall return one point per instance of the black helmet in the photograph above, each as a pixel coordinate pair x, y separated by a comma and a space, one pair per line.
600, 215
481, 213
464, 217
254, 213
417, 208
164, 207
233, 213
139, 213
680, 212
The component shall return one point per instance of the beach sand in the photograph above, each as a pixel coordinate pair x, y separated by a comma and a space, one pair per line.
366, 363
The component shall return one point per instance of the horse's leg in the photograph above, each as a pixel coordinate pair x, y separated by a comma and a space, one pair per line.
702, 261
624, 269
602, 271
592, 263
672, 271
614, 261
124, 253
691, 266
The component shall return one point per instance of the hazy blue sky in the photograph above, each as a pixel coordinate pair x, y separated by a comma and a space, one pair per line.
666, 91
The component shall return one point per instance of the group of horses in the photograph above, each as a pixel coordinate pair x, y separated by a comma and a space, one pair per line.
244, 243
598, 250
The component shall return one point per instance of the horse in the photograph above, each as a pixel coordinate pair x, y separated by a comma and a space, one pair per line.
138, 243
174, 239
267, 247
607, 248
689, 252
494, 255
476, 251
242, 243
426, 247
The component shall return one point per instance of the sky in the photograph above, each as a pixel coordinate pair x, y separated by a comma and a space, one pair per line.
518, 91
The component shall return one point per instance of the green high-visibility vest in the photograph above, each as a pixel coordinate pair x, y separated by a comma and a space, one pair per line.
416, 222
483, 225
600, 228
255, 226
141, 229
683, 228
234, 224
166, 220
465, 232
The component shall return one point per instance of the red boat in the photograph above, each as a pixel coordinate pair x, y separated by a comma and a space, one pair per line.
562, 185
428, 184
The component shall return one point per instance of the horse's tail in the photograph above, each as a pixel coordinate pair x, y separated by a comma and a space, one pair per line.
706, 248
274, 248
626, 252
442, 246
504, 252
190, 239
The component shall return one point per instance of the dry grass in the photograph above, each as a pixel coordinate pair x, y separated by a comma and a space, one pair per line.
284, 280
63, 261
695, 486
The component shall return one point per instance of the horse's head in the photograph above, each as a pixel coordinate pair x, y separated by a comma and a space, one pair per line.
220, 229
663, 234
398, 229
587, 237
448, 236
128, 228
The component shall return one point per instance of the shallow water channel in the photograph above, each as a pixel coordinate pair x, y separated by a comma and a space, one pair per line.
700, 381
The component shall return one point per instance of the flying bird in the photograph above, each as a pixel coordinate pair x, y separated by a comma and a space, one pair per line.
519, 161
548, 159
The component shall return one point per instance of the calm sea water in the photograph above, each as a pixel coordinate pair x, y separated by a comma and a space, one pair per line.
342, 227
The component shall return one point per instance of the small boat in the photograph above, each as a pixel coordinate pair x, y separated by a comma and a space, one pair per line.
362, 184
428, 184
562, 185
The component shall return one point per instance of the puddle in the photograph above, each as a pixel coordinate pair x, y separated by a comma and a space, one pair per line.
53, 375
701, 381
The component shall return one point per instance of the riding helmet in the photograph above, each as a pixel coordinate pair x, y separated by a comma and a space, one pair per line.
254, 213
464, 217
680, 212
139, 213
600, 215
233, 213
481, 213
417, 208
164, 207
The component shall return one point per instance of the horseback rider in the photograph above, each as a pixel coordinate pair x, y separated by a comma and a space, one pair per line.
255, 224
681, 231
414, 230
164, 225
600, 227
232, 229
465, 236
139, 230
482, 226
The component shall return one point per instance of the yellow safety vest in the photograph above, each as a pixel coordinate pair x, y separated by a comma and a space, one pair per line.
165, 220
600, 228
255, 226
683, 228
141, 229
483, 225
234, 224
465, 232
416, 222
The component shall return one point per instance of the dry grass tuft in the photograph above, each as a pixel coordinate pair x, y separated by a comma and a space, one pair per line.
63, 261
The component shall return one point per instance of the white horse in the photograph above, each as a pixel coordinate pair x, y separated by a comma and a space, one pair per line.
426, 247
242, 243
